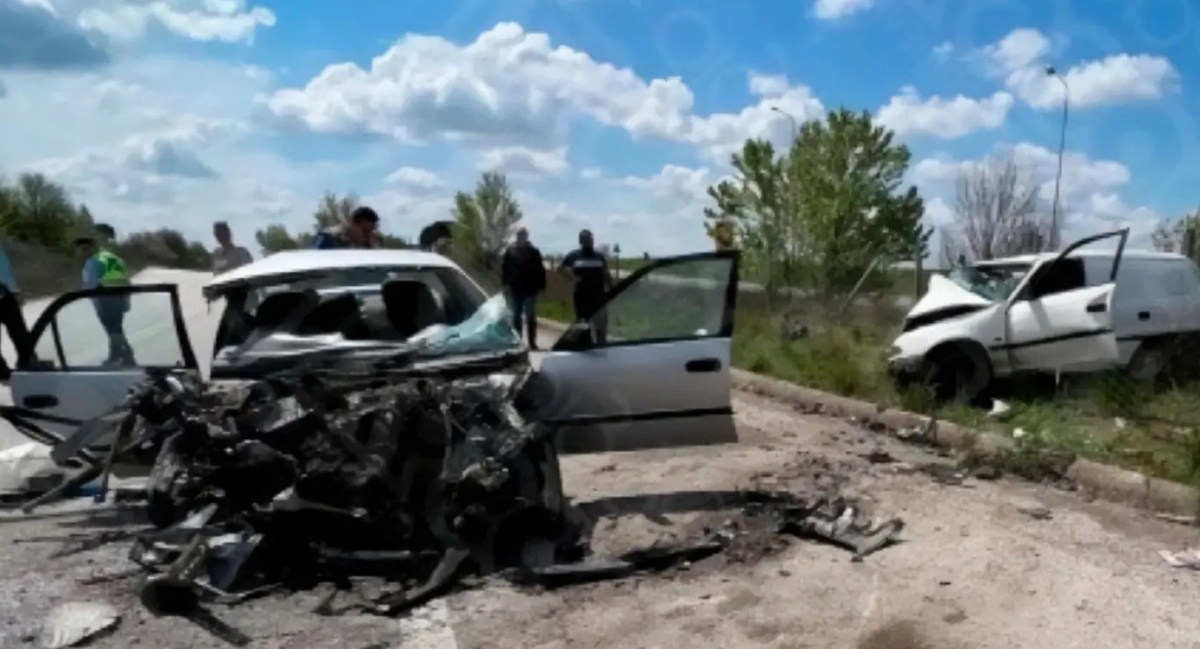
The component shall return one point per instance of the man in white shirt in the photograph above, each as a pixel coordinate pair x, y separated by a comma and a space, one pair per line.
227, 256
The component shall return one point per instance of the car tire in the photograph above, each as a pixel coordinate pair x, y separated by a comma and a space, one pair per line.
958, 372
1148, 365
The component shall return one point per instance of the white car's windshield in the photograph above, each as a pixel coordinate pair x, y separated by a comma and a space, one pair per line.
992, 281
438, 310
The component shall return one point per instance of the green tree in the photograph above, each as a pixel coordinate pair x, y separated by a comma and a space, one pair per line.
820, 214
1168, 235
484, 220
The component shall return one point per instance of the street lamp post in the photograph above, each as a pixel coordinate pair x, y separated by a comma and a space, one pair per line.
792, 119
1062, 147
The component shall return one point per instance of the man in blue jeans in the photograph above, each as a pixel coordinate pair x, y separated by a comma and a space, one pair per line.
523, 272
101, 268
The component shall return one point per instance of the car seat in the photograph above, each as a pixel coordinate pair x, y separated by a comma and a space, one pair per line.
276, 308
336, 314
411, 306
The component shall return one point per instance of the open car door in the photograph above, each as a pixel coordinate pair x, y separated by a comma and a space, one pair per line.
1056, 320
651, 368
65, 374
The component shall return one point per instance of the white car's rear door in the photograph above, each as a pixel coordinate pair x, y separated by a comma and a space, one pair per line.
65, 375
662, 377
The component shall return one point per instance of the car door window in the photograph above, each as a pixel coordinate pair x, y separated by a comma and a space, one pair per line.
1059, 277
73, 336
683, 300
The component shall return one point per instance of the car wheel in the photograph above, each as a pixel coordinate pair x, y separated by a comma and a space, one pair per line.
958, 372
1148, 365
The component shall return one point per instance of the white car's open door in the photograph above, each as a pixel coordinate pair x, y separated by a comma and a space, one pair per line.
1051, 329
65, 373
659, 376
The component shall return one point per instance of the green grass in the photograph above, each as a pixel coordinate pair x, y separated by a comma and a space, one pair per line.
1109, 419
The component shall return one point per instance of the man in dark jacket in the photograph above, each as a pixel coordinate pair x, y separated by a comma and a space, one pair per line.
359, 231
523, 273
589, 269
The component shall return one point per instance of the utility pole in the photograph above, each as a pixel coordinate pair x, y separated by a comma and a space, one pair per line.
790, 245
1062, 147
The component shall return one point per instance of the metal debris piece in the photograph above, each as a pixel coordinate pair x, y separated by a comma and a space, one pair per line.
72, 623
1189, 558
841, 524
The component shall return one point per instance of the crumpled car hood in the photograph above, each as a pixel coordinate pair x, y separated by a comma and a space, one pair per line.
944, 294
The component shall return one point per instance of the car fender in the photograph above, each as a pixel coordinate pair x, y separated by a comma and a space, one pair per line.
984, 327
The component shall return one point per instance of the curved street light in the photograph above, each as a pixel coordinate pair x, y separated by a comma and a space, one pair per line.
1062, 146
792, 119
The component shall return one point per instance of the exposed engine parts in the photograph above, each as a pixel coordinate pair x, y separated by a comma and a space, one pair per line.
308, 478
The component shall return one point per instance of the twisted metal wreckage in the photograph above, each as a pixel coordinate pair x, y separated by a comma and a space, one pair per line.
384, 467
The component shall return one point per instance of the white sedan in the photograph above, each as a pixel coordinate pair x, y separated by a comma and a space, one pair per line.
660, 379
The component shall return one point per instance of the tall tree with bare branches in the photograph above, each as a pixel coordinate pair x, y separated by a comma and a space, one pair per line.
998, 212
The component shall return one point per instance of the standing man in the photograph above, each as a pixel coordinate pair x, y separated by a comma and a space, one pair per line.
103, 268
11, 316
227, 256
523, 272
359, 231
589, 269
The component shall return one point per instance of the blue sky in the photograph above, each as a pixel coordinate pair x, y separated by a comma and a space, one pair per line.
609, 114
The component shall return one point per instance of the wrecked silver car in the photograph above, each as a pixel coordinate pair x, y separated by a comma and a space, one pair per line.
663, 380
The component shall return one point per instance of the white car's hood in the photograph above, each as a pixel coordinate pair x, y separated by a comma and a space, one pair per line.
943, 294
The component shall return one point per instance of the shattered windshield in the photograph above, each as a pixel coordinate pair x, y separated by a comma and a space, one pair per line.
439, 311
994, 282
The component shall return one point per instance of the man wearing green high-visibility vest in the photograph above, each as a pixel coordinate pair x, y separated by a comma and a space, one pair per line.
102, 267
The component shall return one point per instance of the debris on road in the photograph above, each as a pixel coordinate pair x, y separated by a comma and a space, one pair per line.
71, 624
1189, 558
1037, 513
422, 479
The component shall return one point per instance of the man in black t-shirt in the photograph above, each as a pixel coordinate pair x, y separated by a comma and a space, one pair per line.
589, 269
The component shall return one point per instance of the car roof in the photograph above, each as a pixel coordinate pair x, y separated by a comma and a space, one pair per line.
1084, 254
298, 262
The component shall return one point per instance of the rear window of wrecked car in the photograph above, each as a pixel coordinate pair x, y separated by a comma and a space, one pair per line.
460, 297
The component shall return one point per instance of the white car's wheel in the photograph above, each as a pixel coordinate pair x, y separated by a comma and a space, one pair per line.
1148, 365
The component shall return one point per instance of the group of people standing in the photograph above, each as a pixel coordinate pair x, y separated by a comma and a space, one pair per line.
523, 273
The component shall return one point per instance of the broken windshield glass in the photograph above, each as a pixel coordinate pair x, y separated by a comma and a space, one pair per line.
992, 282
488, 329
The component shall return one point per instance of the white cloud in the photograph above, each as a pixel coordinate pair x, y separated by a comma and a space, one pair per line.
228, 21
835, 9
907, 113
782, 107
1089, 191
523, 161
684, 185
509, 88
943, 51
412, 177
768, 84
1022, 59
